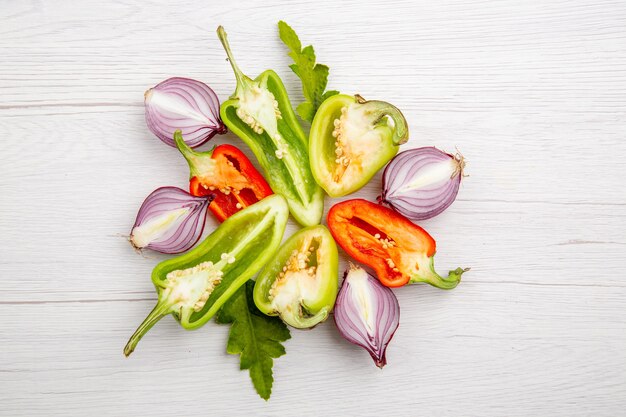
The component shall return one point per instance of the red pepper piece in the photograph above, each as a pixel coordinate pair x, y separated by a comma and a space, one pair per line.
226, 172
398, 250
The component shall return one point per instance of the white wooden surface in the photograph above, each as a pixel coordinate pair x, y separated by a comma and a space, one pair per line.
533, 94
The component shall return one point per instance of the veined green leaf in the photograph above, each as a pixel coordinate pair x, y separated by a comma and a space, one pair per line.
254, 336
314, 76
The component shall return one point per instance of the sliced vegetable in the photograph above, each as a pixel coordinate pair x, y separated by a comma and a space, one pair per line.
254, 336
351, 139
421, 183
367, 313
259, 112
226, 173
314, 76
194, 286
300, 283
398, 250
170, 220
183, 104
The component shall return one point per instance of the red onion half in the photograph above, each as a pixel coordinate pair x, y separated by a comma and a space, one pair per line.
170, 220
367, 313
421, 183
183, 104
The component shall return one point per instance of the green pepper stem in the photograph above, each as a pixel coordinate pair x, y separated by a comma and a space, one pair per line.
240, 76
182, 145
380, 109
200, 163
158, 312
433, 278
306, 322
184, 149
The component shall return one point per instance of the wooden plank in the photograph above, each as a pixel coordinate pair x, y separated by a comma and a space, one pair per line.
482, 350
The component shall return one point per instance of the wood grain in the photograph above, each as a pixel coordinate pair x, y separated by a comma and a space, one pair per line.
532, 93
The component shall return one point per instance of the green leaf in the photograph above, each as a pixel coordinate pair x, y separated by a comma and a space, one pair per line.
254, 336
306, 110
329, 93
289, 36
314, 76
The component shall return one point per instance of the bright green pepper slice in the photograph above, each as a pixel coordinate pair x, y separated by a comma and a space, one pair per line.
260, 113
351, 139
300, 283
194, 286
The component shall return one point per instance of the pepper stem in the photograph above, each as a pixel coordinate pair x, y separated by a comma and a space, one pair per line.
200, 163
300, 322
379, 109
433, 278
182, 146
240, 76
158, 312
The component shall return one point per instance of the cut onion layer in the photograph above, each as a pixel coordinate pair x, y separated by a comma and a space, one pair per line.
367, 313
421, 183
186, 105
170, 220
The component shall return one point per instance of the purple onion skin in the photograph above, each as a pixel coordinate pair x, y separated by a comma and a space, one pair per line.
351, 313
183, 104
435, 195
179, 236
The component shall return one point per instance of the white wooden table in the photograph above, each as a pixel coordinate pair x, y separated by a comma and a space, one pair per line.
532, 93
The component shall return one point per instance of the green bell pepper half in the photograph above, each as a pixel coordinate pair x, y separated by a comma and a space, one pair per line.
300, 283
194, 286
351, 139
260, 113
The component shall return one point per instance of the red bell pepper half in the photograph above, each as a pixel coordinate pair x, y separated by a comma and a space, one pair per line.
225, 172
398, 250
